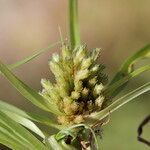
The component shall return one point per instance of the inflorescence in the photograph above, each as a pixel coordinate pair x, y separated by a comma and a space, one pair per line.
79, 84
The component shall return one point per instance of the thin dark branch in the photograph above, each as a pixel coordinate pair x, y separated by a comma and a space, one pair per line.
140, 131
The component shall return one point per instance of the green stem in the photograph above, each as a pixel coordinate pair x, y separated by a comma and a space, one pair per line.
73, 23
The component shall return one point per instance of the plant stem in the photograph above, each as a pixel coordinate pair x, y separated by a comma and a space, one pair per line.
73, 23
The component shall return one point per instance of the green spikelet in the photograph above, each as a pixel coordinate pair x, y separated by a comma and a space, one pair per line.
79, 84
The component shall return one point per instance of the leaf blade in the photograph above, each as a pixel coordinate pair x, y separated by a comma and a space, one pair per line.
111, 89
5, 140
10, 109
118, 103
141, 54
17, 132
29, 58
28, 92
127, 67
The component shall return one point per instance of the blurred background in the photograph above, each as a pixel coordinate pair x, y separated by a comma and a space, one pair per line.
119, 27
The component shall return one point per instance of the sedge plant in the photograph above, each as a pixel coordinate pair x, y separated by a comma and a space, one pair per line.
81, 98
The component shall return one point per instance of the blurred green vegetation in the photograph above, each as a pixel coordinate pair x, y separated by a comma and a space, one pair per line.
118, 27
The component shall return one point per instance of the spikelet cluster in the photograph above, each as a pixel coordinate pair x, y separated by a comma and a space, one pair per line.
78, 86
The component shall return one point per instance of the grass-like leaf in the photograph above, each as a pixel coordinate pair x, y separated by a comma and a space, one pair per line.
10, 142
29, 58
45, 121
111, 89
23, 116
28, 92
17, 136
128, 67
118, 103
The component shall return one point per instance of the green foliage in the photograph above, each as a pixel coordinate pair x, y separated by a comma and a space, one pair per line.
26, 119
120, 83
119, 102
128, 67
17, 116
16, 137
27, 91
78, 80
21, 117
29, 58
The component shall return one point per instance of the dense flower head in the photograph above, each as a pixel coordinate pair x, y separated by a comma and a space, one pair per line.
79, 82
